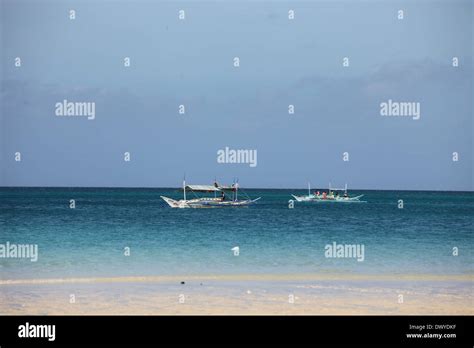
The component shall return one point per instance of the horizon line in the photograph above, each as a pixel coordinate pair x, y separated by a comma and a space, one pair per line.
246, 188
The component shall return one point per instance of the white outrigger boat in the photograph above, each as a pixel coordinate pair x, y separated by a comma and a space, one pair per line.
219, 199
331, 196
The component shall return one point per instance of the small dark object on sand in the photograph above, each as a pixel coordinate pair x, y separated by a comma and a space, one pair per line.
182, 283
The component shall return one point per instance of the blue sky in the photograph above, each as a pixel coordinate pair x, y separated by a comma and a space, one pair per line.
190, 62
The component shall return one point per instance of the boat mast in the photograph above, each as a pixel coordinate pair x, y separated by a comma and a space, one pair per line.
309, 189
184, 188
236, 188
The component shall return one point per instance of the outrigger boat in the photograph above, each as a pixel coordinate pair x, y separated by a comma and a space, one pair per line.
331, 196
219, 199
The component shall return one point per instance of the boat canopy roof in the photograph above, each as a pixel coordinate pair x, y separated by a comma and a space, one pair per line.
202, 188
227, 188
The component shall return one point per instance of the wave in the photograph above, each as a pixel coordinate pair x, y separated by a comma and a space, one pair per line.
242, 277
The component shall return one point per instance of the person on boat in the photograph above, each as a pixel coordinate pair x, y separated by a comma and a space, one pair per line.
317, 193
345, 195
223, 196
337, 194
324, 195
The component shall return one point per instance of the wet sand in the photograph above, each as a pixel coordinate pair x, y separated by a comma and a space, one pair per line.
240, 295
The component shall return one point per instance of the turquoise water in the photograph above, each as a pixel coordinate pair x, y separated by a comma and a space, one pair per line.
90, 239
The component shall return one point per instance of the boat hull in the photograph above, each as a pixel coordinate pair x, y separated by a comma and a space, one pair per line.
314, 198
207, 203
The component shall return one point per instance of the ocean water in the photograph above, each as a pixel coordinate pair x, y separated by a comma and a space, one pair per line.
89, 241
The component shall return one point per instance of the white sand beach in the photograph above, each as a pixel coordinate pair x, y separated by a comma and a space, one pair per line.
240, 295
